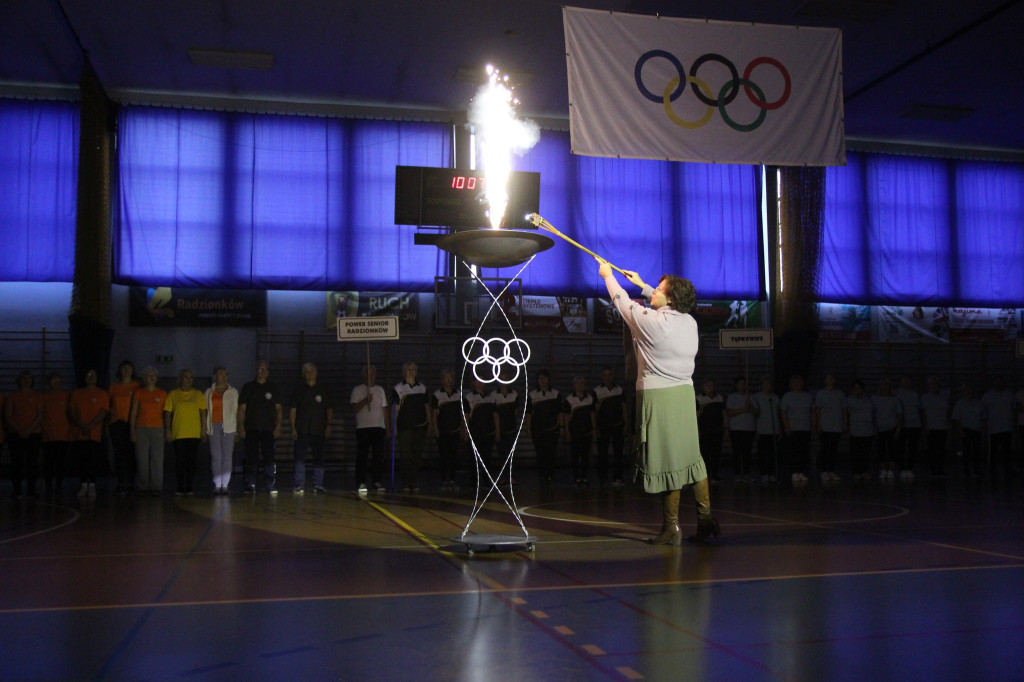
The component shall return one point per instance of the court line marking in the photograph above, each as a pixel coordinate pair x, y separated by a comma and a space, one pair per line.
450, 557
516, 590
129, 637
75, 516
901, 511
535, 617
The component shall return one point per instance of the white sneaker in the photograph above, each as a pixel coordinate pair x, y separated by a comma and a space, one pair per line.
825, 476
834, 476
795, 478
84, 490
92, 490
910, 475
362, 489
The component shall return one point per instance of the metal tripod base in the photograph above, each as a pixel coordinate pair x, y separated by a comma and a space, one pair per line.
494, 543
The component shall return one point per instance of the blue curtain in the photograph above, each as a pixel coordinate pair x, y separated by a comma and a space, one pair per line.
225, 200
699, 221
38, 185
210, 199
906, 230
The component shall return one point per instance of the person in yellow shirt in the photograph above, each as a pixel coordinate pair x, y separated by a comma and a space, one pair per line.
184, 415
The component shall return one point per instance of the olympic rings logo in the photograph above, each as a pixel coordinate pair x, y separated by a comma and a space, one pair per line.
494, 360
726, 94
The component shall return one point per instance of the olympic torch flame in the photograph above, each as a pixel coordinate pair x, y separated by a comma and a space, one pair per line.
494, 117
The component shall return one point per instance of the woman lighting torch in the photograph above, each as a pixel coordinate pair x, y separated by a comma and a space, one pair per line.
665, 341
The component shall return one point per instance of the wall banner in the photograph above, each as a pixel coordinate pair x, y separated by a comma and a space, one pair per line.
403, 305
648, 87
181, 307
555, 314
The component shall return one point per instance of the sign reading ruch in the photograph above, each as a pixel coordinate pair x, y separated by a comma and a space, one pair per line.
367, 328
744, 339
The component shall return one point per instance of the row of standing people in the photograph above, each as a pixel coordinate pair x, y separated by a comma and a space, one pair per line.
493, 417
890, 423
66, 428
142, 420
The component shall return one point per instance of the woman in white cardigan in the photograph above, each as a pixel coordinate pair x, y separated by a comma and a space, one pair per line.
665, 340
221, 428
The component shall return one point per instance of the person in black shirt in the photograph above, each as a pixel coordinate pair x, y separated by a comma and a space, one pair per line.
410, 400
446, 425
508, 406
578, 424
611, 423
312, 409
711, 425
483, 421
259, 426
543, 419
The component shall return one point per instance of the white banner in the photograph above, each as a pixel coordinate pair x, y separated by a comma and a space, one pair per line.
691, 90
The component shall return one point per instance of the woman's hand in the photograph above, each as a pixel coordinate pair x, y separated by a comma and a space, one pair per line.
605, 271
634, 278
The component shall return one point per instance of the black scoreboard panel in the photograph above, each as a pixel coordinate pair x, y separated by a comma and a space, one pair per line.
451, 197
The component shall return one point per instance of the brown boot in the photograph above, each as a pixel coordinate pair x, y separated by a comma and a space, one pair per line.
670, 534
707, 525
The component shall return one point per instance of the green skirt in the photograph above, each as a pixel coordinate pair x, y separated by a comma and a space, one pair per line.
668, 456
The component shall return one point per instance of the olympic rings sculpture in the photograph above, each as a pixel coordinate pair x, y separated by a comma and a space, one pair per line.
726, 94
494, 361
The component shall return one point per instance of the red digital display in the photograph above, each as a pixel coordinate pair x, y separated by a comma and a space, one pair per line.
454, 197
468, 182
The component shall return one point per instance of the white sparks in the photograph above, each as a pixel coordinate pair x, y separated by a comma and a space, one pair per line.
500, 132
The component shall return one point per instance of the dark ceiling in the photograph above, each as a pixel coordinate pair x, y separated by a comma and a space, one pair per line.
923, 72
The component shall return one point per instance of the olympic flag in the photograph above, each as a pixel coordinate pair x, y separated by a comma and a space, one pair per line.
646, 87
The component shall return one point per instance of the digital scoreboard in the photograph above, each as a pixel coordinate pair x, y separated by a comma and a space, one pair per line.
454, 198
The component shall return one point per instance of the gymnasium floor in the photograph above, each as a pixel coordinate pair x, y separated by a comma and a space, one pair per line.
921, 581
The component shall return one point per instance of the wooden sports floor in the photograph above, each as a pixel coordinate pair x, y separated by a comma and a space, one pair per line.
921, 581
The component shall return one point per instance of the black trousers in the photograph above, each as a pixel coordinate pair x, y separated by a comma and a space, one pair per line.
186, 455
579, 456
742, 446
369, 455
24, 461
259, 444
124, 454
546, 445
610, 438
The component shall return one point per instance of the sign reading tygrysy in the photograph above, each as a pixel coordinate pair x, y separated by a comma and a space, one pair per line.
744, 339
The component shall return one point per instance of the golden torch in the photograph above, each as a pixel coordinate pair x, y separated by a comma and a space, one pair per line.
537, 220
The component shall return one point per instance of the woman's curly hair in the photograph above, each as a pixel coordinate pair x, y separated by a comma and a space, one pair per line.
681, 295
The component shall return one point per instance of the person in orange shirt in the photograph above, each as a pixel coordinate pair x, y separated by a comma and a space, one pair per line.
121, 392
146, 430
88, 412
23, 417
56, 431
